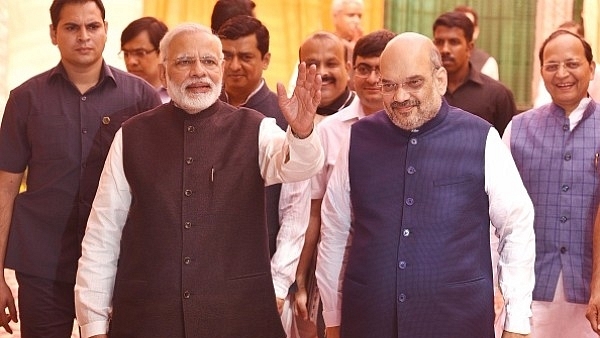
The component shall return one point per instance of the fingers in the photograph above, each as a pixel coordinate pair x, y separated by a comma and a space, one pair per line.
301, 310
4, 321
592, 316
280, 302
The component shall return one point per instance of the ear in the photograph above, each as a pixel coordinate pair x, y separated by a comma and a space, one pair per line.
470, 46
266, 60
593, 69
349, 69
162, 73
440, 80
53, 35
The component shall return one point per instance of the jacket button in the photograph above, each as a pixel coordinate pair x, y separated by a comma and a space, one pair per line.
187, 260
186, 295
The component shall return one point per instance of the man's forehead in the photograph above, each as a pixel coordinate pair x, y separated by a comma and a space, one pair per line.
326, 47
565, 44
245, 42
195, 43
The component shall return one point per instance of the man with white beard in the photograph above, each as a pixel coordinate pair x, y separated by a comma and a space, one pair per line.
176, 244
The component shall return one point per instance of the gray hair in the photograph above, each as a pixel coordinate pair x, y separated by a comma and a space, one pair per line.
188, 27
337, 5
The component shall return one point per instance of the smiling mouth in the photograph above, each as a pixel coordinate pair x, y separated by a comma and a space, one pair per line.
564, 85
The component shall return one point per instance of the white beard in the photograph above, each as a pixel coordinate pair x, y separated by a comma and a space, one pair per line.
193, 103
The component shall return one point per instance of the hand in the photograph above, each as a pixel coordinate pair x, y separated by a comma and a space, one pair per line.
506, 334
7, 301
498, 304
300, 109
280, 302
593, 312
301, 299
332, 332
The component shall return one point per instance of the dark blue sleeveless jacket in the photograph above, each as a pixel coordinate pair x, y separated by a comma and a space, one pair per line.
419, 264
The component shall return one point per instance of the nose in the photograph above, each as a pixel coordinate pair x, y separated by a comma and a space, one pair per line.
321, 69
83, 34
234, 63
197, 69
130, 59
401, 95
443, 47
374, 77
562, 70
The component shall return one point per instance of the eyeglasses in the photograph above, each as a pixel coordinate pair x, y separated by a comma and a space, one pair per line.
364, 71
411, 86
136, 53
189, 62
554, 66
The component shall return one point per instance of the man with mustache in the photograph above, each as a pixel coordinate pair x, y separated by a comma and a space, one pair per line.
176, 244
327, 52
556, 147
468, 88
410, 199
246, 49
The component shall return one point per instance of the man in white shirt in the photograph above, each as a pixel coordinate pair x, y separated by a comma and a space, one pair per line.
176, 244
405, 237
333, 130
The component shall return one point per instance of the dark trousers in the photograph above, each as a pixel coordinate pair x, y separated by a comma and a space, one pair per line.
46, 307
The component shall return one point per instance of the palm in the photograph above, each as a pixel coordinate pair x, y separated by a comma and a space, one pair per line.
300, 109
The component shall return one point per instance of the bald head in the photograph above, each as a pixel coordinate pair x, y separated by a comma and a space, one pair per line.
413, 79
421, 50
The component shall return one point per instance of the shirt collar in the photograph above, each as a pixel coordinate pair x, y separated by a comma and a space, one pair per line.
340, 102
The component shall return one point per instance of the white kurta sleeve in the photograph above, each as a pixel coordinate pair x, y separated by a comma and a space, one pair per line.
100, 246
336, 218
294, 214
285, 158
511, 213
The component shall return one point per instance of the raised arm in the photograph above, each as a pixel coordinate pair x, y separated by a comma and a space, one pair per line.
300, 109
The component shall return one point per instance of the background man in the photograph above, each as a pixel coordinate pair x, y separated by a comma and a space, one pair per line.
481, 60
326, 51
418, 262
334, 131
139, 47
59, 126
226, 9
208, 270
246, 53
469, 89
556, 148
347, 21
